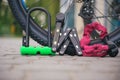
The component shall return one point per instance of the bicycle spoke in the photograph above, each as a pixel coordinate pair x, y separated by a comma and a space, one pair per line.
110, 5
46, 7
104, 17
53, 2
97, 18
70, 3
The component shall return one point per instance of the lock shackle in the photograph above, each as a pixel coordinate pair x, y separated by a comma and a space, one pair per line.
48, 22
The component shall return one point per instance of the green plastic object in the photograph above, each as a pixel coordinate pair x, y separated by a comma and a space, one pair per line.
35, 50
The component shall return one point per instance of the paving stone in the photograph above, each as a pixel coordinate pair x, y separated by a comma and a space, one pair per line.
48, 75
11, 75
6, 57
17, 62
26, 58
5, 67
46, 62
95, 76
49, 67
13, 66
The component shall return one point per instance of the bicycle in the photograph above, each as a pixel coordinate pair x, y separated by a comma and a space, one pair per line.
19, 9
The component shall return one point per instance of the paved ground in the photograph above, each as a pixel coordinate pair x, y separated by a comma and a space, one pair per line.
13, 66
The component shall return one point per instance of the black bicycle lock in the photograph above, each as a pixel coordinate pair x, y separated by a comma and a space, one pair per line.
29, 50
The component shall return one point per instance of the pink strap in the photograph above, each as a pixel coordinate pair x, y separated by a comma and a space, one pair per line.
96, 50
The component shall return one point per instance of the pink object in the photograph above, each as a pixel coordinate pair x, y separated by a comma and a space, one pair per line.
96, 50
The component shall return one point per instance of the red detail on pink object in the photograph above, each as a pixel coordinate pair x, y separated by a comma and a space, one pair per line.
96, 50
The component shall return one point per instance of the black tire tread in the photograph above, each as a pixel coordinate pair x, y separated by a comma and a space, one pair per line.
20, 18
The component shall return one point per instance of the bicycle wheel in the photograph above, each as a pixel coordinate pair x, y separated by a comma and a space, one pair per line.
103, 12
39, 34
106, 13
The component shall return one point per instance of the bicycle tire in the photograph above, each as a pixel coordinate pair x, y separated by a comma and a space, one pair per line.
37, 33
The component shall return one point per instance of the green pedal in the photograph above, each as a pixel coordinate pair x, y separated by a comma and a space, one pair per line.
35, 50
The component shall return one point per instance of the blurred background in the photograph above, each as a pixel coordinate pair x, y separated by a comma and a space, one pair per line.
8, 24
10, 28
